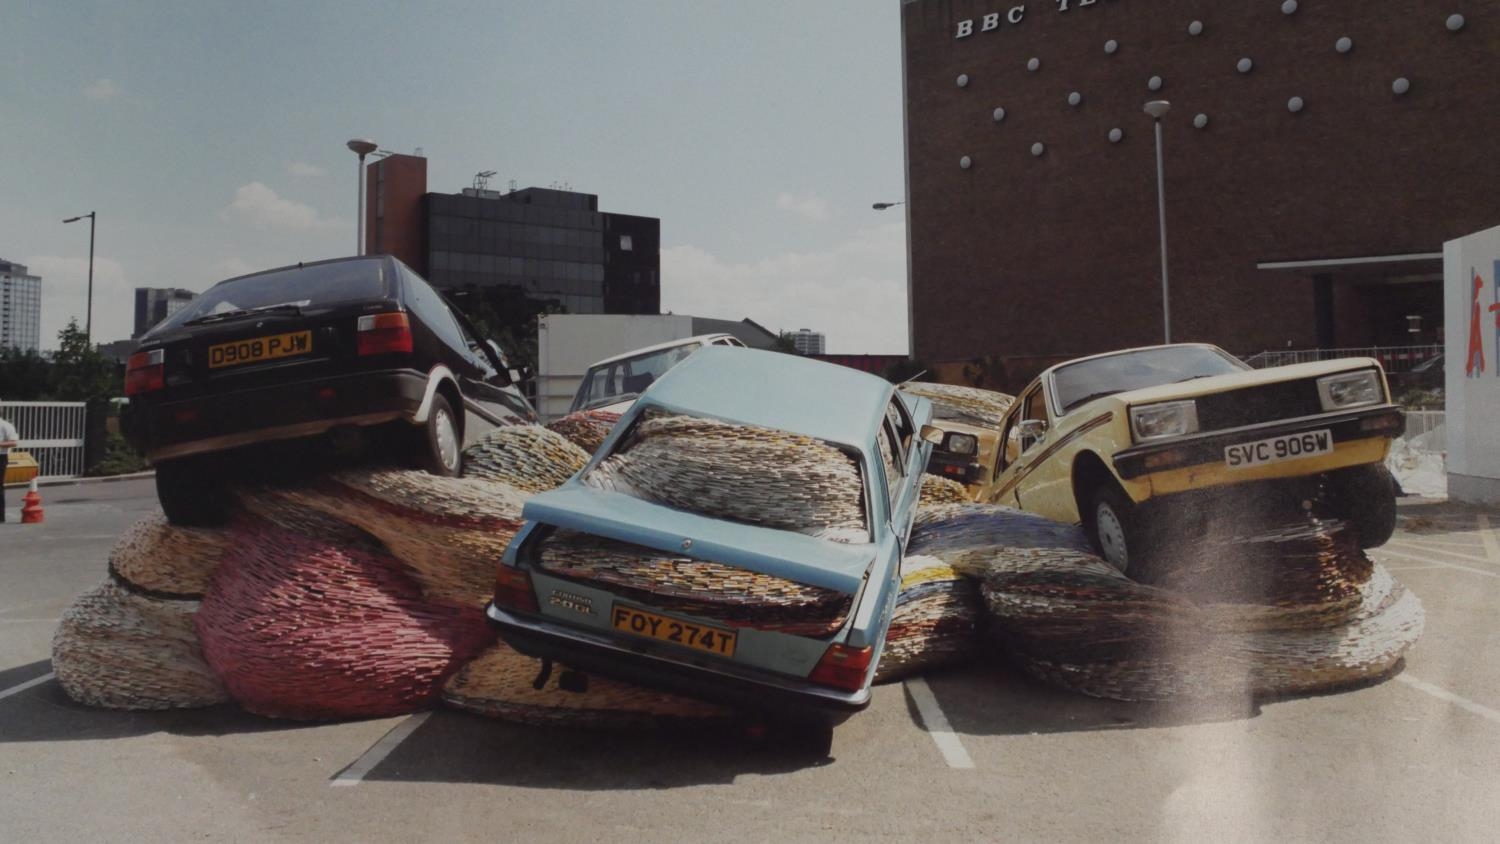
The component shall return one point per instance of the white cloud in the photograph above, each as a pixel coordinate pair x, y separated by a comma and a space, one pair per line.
302, 169
258, 205
65, 295
853, 292
808, 206
104, 89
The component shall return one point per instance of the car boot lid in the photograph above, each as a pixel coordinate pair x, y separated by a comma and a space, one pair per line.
798, 557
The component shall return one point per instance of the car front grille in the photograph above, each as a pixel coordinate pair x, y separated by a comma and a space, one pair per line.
1257, 405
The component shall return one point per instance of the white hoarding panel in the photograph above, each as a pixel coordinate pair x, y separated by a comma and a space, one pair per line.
1471, 317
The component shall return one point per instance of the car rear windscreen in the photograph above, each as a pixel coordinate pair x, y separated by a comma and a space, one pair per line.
319, 284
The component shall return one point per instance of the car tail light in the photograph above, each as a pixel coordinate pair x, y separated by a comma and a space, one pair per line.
843, 667
383, 334
513, 590
145, 372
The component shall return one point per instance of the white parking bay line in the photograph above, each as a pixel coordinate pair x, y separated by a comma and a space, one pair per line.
34, 681
937, 725
1386, 552
1412, 546
1491, 544
362, 766
1443, 694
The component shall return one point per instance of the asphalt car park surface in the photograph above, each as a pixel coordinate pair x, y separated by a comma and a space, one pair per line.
973, 753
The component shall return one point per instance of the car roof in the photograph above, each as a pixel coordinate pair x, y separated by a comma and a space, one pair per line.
388, 262
705, 339
776, 390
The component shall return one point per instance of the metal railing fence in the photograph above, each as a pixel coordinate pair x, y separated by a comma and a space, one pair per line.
1427, 430
1393, 358
52, 432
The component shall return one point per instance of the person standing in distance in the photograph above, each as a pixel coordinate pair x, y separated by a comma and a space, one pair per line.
9, 438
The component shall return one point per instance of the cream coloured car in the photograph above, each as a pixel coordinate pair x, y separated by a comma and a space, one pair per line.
1129, 441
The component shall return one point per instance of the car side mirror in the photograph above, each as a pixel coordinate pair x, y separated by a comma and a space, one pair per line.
932, 434
1033, 428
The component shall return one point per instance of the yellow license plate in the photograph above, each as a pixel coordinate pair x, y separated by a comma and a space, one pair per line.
260, 348
699, 637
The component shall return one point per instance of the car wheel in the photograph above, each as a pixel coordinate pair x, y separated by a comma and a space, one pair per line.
444, 449
1111, 526
815, 740
806, 739
192, 492
1365, 496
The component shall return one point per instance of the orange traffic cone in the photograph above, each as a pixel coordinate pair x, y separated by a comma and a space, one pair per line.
31, 506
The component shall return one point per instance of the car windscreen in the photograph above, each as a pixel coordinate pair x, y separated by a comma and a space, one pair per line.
319, 284
608, 382
1087, 380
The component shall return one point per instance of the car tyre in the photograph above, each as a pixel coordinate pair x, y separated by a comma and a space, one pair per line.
1112, 523
192, 492
805, 739
442, 450
1365, 496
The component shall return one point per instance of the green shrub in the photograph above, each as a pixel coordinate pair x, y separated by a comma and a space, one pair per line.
119, 458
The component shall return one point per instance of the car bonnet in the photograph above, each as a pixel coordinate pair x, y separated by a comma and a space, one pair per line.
1240, 380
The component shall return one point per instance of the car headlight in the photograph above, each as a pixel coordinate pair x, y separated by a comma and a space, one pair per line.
1350, 389
1164, 419
965, 444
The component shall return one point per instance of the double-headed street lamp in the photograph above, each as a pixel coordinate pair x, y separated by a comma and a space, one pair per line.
1158, 109
88, 329
361, 147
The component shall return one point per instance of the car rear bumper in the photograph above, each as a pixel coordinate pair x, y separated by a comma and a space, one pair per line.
961, 469
597, 654
1359, 437
221, 421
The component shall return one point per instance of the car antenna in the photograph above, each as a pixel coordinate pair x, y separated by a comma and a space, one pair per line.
913, 378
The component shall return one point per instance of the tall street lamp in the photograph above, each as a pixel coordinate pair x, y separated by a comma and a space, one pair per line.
88, 324
1158, 109
361, 147
881, 206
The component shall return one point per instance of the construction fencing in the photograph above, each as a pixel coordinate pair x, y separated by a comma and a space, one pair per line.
1393, 358
1427, 430
52, 432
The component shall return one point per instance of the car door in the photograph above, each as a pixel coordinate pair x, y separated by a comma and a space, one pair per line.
487, 381
903, 456
1017, 453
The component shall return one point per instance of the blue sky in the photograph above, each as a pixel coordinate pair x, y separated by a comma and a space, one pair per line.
210, 138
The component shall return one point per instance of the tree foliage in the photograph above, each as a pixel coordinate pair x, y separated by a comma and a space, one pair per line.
75, 372
80, 372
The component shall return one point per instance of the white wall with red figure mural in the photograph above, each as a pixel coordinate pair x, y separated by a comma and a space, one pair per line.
1471, 304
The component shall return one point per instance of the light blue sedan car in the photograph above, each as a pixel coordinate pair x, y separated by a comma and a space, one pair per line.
643, 636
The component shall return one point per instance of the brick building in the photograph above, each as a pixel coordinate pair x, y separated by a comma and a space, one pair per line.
1317, 156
